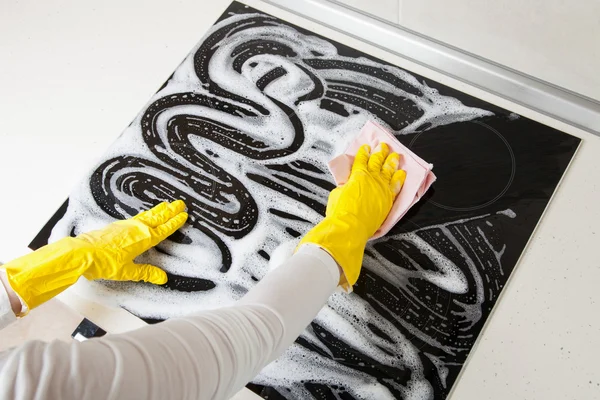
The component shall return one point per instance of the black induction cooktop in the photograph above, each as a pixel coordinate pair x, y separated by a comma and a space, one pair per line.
242, 131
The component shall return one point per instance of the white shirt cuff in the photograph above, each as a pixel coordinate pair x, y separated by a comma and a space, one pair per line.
323, 256
7, 316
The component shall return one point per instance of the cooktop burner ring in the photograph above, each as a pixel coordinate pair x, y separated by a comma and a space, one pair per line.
498, 195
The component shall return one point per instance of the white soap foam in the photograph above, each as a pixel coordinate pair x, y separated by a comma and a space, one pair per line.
508, 212
326, 133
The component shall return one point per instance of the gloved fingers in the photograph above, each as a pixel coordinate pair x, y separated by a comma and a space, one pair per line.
397, 181
165, 230
174, 209
143, 272
378, 157
362, 158
390, 166
147, 216
161, 213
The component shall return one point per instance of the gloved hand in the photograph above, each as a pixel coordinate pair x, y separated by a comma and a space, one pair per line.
107, 253
357, 209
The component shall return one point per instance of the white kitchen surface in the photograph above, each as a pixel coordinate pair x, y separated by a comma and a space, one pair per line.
384, 9
74, 73
554, 40
51, 321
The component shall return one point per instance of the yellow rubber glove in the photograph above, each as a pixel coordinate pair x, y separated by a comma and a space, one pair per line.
357, 209
107, 253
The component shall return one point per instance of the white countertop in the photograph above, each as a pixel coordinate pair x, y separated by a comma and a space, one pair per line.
73, 74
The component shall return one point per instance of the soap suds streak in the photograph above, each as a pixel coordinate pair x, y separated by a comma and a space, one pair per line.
242, 132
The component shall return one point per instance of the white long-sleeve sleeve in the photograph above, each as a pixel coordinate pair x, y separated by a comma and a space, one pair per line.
7, 316
210, 355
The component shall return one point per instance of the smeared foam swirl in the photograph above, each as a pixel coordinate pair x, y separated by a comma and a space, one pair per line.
243, 130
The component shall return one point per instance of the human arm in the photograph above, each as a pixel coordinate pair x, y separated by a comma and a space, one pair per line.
107, 253
213, 354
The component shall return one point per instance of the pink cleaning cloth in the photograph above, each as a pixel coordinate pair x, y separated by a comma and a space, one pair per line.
418, 172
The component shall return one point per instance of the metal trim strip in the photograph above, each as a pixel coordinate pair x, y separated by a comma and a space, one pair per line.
544, 97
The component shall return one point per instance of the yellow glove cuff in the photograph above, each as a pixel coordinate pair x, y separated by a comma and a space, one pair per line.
341, 240
41, 275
